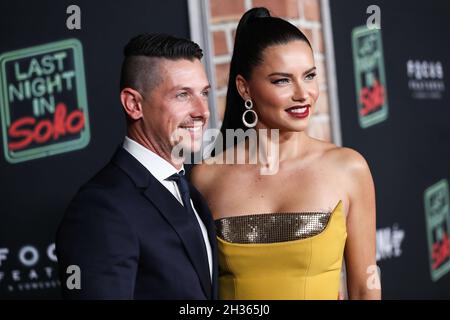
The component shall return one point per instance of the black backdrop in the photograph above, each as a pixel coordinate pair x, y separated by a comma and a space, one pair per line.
410, 150
35, 193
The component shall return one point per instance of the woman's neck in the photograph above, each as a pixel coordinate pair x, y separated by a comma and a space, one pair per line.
288, 144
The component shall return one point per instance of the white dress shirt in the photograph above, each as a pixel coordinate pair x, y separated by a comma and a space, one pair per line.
161, 170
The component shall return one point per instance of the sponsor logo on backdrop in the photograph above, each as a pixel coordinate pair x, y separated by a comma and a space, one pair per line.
28, 269
43, 104
370, 79
437, 218
425, 79
389, 242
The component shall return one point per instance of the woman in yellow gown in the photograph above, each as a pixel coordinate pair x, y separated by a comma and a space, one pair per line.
285, 234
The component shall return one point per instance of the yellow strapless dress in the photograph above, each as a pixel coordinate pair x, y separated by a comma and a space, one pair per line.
307, 268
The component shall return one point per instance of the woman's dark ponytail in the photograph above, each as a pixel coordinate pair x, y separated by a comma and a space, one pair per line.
256, 31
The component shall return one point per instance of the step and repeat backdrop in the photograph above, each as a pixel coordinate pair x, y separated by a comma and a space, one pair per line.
61, 118
392, 69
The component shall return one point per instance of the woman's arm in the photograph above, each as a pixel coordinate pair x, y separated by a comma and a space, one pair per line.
360, 249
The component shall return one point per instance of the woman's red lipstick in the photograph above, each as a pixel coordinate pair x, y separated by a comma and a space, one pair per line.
299, 112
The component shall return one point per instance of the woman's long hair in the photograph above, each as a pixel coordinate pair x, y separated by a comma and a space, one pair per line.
256, 31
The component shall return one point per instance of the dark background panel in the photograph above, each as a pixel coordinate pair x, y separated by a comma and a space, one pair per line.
34, 194
410, 150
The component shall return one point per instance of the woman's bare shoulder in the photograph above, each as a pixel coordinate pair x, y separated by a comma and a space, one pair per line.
347, 160
342, 158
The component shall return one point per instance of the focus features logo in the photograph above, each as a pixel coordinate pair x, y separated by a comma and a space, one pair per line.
28, 268
425, 79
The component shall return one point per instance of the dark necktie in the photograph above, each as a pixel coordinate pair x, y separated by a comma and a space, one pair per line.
184, 190
183, 186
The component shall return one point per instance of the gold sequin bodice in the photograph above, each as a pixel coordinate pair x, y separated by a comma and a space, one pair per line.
281, 255
268, 228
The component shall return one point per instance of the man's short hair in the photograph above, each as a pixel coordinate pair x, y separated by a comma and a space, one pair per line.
142, 54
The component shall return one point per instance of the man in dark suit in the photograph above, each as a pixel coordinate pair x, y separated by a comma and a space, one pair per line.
138, 229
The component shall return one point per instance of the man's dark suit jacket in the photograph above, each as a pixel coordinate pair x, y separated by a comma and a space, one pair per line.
133, 240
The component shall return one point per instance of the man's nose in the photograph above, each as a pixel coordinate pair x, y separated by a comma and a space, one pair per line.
200, 108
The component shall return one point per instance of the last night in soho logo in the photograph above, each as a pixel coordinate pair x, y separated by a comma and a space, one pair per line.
43, 101
425, 79
29, 268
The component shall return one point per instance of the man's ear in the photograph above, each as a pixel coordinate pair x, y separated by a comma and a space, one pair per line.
242, 87
132, 103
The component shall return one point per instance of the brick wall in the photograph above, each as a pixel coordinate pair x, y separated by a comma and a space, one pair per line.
305, 14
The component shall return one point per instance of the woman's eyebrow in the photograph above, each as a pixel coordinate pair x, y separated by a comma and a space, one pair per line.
310, 70
284, 74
